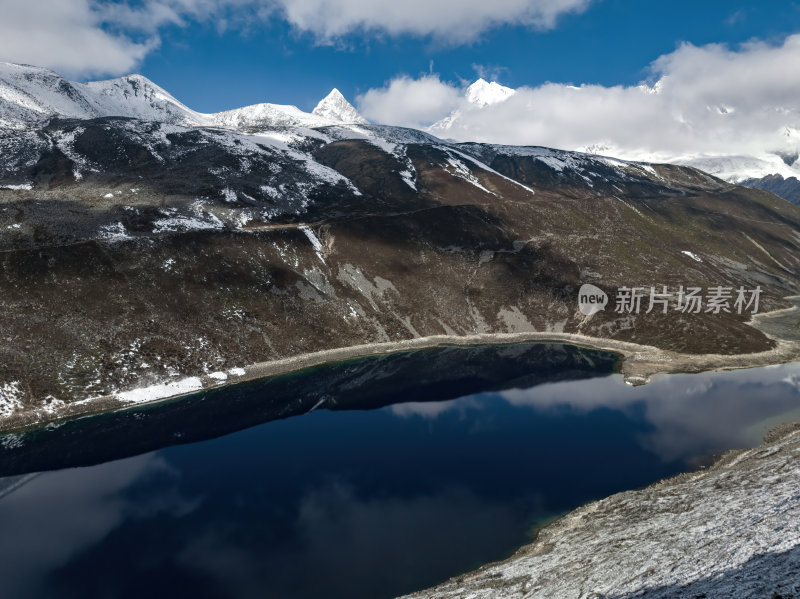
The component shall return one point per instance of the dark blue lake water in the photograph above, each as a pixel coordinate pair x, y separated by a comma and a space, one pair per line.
414, 468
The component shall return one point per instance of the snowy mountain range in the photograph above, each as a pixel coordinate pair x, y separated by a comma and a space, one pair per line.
30, 96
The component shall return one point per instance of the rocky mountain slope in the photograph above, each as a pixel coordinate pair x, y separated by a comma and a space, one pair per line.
151, 252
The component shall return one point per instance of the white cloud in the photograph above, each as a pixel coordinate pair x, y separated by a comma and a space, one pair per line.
152, 15
84, 38
65, 35
710, 99
453, 21
100, 37
409, 102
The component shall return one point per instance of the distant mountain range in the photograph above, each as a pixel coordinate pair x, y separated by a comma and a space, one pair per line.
776, 172
30, 96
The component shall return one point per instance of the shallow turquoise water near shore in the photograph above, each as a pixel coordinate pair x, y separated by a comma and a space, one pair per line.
357, 498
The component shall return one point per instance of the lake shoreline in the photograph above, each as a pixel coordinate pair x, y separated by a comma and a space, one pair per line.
639, 363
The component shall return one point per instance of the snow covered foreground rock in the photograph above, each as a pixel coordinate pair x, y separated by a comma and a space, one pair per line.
730, 531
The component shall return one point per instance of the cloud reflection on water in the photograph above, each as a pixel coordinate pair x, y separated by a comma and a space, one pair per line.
357, 546
50, 518
690, 414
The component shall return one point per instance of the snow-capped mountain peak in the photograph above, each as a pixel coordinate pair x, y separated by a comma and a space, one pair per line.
484, 93
138, 97
477, 96
30, 96
335, 107
260, 116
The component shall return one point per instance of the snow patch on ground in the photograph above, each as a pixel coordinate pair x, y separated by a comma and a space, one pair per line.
315, 242
486, 167
460, 170
114, 232
198, 220
66, 143
11, 395
51, 405
369, 136
160, 391
692, 255
408, 178
228, 195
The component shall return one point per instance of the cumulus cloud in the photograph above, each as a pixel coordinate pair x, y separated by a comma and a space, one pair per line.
66, 35
452, 21
410, 102
98, 37
709, 99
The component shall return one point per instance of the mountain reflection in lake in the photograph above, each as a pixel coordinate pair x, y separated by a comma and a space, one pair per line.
356, 502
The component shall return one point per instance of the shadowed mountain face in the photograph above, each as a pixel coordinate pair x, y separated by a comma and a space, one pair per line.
788, 189
134, 252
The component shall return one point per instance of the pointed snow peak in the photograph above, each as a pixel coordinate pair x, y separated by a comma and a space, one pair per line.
336, 108
484, 93
335, 96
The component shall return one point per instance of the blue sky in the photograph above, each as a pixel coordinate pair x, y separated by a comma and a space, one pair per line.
720, 76
611, 43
